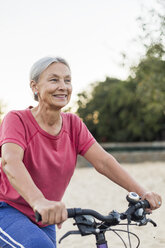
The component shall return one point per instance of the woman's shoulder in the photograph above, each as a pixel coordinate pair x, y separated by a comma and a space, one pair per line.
17, 118
21, 114
18, 122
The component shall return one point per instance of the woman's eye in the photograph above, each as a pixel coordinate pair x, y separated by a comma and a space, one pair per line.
54, 79
67, 80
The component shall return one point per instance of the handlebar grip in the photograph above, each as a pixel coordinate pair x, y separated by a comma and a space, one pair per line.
146, 204
38, 217
71, 213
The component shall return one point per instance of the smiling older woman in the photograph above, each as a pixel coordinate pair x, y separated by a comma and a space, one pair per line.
39, 148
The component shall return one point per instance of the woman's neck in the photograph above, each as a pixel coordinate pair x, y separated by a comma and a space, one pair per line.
48, 119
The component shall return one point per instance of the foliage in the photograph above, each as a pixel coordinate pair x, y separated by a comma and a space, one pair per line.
150, 91
131, 110
152, 24
134, 109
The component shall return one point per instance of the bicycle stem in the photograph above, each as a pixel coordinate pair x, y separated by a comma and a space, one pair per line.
101, 241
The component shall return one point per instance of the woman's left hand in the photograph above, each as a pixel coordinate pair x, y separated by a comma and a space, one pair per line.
154, 200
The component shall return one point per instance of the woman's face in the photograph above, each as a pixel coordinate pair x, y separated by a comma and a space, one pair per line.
54, 86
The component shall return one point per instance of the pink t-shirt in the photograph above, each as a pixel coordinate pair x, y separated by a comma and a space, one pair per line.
49, 159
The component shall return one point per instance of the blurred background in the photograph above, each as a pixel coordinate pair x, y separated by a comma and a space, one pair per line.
116, 53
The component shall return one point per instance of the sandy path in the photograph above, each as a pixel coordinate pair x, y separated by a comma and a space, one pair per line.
88, 189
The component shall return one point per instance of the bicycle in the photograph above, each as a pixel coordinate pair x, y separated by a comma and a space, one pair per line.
85, 219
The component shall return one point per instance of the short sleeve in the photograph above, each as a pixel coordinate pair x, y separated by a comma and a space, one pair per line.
85, 138
12, 130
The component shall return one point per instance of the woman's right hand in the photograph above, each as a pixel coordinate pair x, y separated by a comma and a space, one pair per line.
52, 212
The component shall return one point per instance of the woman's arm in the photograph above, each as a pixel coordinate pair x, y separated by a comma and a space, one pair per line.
107, 165
12, 155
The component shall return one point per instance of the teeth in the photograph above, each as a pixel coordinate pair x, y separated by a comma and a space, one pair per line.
60, 95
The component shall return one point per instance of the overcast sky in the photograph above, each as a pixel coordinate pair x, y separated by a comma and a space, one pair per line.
89, 34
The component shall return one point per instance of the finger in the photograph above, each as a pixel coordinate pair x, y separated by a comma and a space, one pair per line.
158, 201
154, 200
64, 214
51, 217
148, 210
59, 225
64, 217
45, 217
149, 197
58, 218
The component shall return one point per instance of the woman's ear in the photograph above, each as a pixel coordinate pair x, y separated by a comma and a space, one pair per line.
33, 86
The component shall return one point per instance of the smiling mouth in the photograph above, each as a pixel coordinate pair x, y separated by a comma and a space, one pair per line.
60, 96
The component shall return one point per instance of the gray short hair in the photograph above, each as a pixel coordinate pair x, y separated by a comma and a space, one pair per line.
42, 64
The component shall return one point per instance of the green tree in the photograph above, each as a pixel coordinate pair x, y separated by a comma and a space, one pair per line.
150, 80
134, 109
104, 111
131, 110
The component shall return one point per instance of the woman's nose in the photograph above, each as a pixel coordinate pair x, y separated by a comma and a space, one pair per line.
62, 84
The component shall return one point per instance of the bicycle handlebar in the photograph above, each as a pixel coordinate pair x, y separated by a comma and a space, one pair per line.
141, 204
85, 219
73, 212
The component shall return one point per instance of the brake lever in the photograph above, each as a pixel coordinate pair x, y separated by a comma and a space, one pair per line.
145, 221
152, 222
139, 216
67, 234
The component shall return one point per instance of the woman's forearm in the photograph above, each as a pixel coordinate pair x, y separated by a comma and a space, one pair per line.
107, 165
21, 181
115, 172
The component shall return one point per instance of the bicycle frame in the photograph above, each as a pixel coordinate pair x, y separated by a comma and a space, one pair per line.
102, 246
101, 241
